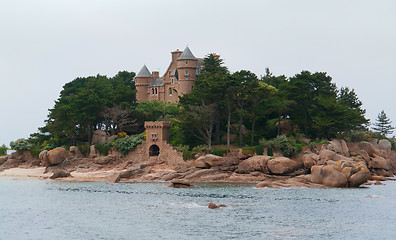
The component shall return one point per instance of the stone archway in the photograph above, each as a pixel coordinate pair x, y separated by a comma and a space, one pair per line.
154, 150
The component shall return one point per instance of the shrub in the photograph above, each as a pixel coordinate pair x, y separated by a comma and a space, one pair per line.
202, 149
270, 152
103, 148
249, 150
219, 151
20, 144
35, 152
84, 148
188, 155
3, 150
181, 148
259, 150
128, 143
288, 146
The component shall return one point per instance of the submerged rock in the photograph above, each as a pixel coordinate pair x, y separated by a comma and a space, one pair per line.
180, 183
214, 206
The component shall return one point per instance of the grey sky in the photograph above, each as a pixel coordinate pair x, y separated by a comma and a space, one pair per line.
47, 43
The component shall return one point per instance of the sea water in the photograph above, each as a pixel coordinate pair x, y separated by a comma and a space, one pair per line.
44, 209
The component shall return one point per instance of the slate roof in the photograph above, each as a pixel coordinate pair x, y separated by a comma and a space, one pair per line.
157, 82
187, 54
144, 72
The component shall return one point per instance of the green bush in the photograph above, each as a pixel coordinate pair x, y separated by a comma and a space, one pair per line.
128, 143
103, 148
259, 150
287, 146
188, 155
3, 150
84, 148
21, 144
249, 150
35, 152
181, 148
219, 151
202, 149
270, 152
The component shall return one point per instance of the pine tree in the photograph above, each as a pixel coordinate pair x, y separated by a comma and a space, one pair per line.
383, 124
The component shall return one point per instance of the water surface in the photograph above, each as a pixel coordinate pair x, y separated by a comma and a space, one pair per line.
43, 209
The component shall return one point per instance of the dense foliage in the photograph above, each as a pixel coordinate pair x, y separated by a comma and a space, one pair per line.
223, 108
21, 144
3, 150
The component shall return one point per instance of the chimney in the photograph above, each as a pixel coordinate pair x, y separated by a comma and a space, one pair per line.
176, 54
155, 74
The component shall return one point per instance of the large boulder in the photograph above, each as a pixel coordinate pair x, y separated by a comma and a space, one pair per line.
369, 148
310, 159
385, 145
3, 159
99, 136
328, 176
57, 156
283, 165
75, 151
253, 164
326, 155
60, 174
211, 159
43, 156
380, 163
25, 156
343, 173
359, 178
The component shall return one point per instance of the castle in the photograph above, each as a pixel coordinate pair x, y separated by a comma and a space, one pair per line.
177, 80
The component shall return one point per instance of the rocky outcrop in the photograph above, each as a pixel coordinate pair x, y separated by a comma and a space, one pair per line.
340, 174
54, 157
385, 145
214, 206
328, 176
75, 151
57, 155
339, 146
309, 160
60, 174
283, 165
180, 183
253, 164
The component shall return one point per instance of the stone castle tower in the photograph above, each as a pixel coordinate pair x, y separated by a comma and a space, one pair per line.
177, 80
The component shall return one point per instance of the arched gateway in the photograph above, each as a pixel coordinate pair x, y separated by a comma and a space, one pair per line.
154, 150
157, 135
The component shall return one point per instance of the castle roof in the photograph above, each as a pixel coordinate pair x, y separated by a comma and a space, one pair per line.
187, 54
157, 82
144, 72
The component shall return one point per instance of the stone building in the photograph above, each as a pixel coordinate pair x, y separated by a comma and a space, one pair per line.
157, 134
177, 80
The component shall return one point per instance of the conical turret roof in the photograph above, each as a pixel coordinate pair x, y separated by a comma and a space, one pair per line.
187, 54
144, 72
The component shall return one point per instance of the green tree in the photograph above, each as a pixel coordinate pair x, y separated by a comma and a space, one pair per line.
383, 124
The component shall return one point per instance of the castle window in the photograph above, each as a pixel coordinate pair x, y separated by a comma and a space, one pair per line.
186, 72
172, 80
186, 62
153, 136
152, 91
170, 91
186, 77
155, 91
197, 71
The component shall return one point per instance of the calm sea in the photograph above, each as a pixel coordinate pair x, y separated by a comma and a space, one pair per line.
43, 209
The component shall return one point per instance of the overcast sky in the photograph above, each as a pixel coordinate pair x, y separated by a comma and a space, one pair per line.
47, 43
